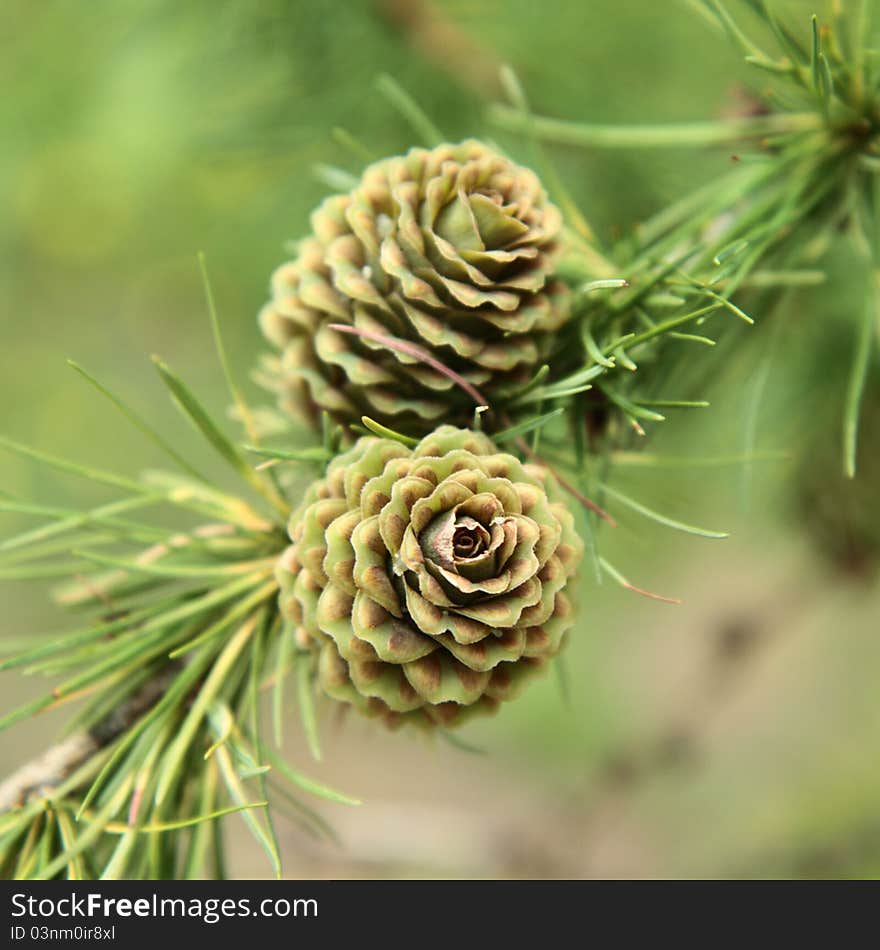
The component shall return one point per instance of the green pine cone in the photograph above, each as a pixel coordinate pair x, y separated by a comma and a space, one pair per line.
431, 582
450, 249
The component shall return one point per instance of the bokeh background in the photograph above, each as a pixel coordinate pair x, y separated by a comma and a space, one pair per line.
734, 735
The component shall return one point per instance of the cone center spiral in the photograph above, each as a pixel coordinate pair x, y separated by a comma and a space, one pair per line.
469, 539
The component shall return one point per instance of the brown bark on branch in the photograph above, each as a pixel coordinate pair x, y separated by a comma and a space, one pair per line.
42, 775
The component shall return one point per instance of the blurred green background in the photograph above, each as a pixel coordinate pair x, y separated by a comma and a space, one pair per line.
735, 735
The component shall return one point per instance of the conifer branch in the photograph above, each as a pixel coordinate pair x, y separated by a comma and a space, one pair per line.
41, 776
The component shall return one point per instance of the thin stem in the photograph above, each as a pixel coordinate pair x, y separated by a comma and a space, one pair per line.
411, 349
567, 485
672, 135
858, 376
